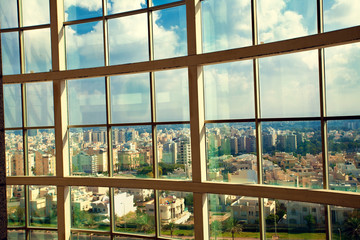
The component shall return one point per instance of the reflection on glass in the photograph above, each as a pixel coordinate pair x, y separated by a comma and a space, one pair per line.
130, 98
14, 154
43, 206
342, 80
132, 151
231, 152
10, 52
37, 47
87, 102
170, 35
12, 105
174, 151
16, 235
90, 208
35, 12
40, 104
43, 235
229, 91
226, 24
345, 223
15, 196
84, 45
161, 2
294, 220
128, 39
118, 6
344, 157
292, 154
41, 152
289, 85
132, 213
80, 9
89, 236
8, 14
176, 212
88, 151
340, 14
286, 19
172, 95
235, 216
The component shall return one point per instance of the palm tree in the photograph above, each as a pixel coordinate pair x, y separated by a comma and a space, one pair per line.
233, 226
352, 228
171, 227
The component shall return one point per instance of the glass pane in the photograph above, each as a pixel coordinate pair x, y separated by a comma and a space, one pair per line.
80, 9
229, 91
344, 160
12, 105
341, 14
87, 101
169, 28
172, 95
235, 216
15, 196
130, 206
176, 214
132, 151
292, 154
37, 47
289, 85
8, 14
14, 153
41, 152
89, 236
342, 80
281, 20
130, 98
174, 151
10, 52
43, 206
231, 152
84, 45
294, 220
43, 235
226, 24
90, 208
127, 238
128, 39
345, 223
161, 2
118, 6
16, 235
35, 12
40, 104
88, 151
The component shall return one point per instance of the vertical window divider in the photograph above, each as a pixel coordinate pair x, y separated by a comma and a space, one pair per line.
112, 212
105, 33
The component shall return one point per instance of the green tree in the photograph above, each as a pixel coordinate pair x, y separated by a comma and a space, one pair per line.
215, 228
233, 226
310, 222
171, 227
352, 228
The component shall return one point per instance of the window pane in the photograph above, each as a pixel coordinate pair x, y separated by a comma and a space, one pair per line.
161, 2
84, 45
292, 154
90, 208
88, 152
172, 95
226, 24
343, 147
128, 39
35, 12
130, 211
16, 235
15, 196
80, 9
37, 46
132, 151
43, 206
229, 91
342, 80
40, 104
14, 153
12, 105
10, 53
118, 6
289, 85
174, 151
8, 14
345, 222
43, 235
279, 20
89, 236
87, 101
231, 152
169, 28
341, 14
41, 152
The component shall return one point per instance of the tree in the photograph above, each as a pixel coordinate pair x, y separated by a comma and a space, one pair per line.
310, 222
233, 226
215, 228
171, 227
352, 228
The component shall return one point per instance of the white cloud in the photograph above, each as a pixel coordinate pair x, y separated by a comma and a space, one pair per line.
36, 12
116, 6
343, 13
90, 5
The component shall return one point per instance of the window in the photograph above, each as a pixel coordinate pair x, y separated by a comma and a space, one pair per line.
195, 119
